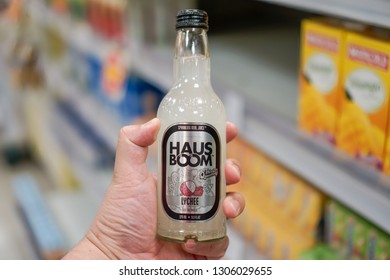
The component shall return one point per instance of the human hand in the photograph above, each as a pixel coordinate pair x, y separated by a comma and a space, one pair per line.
125, 226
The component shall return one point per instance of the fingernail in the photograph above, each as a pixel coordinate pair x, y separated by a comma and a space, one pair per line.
235, 205
190, 244
149, 123
237, 169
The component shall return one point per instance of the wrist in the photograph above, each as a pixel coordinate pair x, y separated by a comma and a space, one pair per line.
88, 249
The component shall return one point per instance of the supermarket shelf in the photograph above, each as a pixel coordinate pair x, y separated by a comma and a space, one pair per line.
365, 191
265, 90
375, 12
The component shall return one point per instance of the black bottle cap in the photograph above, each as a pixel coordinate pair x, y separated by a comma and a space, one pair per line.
192, 18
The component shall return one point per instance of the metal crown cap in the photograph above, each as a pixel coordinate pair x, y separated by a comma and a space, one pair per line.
192, 18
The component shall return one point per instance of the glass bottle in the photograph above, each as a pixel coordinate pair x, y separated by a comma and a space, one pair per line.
191, 141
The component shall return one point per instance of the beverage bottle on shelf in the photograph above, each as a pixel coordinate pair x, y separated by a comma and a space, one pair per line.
191, 141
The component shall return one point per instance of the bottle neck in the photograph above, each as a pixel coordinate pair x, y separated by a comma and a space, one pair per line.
191, 62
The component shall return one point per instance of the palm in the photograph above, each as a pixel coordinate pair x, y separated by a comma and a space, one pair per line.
134, 219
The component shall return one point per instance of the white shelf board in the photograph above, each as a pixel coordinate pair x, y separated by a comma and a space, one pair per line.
375, 12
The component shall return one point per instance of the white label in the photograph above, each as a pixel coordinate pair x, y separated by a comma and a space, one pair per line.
321, 71
366, 89
191, 171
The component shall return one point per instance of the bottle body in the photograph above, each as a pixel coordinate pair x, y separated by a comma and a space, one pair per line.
191, 154
187, 123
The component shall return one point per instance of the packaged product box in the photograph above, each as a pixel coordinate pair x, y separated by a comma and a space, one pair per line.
283, 242
352, 236
335, 225
319, 252
265, 224
386, 163
254, 161
350, 233
245, 222
293, 206
269, 169
344, 233
280, 189
270, 241
261, 224
320, 86
286, 197
291, 202
232, 148
378, 245
365, 106
310, 211
299, 244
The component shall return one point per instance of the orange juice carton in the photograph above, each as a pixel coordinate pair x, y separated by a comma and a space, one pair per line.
293, 206
251, 209
254, 170
386, 163
270, 241
284, 193
260, 226
269, 169
320, 89
297, 245
236, 149
365, 107
290, 244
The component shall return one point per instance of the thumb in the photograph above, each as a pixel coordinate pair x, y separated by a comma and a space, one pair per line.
131, 152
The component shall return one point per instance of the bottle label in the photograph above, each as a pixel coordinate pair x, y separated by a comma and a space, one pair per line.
191, 171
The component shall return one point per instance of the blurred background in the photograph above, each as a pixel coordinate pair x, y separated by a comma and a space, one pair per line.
307, 83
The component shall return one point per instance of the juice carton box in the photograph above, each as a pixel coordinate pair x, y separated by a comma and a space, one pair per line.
310, 211
250, 159
386, 163
294, 197
285, 194
365, 106
234, 148
254, 170
320, 89
245, 224
269, 170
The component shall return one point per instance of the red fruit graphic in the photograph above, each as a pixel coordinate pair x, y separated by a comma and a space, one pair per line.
185, 188
198, 191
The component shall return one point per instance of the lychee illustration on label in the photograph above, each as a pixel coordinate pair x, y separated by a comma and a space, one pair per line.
190, 166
